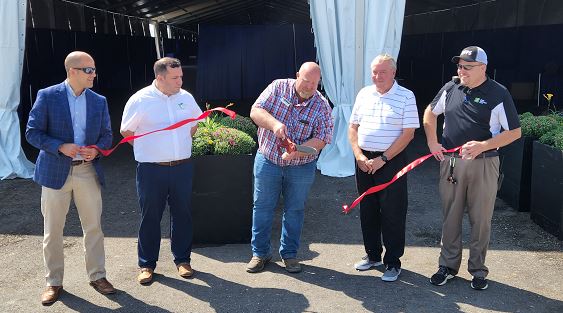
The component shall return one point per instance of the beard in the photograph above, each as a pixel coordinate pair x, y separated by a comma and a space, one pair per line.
305, 94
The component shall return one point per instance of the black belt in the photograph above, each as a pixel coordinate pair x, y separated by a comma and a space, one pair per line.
172, 163
79, 162
486, 154
372, 154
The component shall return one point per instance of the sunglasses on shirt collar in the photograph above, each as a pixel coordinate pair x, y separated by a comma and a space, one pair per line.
87, 70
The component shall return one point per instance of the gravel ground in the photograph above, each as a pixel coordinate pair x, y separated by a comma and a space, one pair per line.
526, 263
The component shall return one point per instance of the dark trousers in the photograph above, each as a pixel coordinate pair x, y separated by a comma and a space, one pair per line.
156, 186
384, 212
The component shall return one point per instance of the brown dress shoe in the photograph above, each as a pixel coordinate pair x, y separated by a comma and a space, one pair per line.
145, 276
51, 294
103, 286
185, 270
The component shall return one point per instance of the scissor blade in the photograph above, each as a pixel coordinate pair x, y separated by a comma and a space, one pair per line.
306, 149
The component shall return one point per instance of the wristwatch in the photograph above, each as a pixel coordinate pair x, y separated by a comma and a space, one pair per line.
384, 158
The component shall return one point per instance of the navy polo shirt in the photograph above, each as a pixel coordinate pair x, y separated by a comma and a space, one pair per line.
474, 114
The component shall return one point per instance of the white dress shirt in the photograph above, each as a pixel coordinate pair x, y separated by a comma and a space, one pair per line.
148, 110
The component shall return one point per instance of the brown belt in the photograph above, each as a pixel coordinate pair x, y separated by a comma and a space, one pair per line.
172, 163
79, 162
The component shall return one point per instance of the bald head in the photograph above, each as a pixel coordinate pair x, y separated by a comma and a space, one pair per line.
310, 68
80, 71
308, 79
76, 59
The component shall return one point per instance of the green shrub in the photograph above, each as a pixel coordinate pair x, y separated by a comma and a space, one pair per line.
241, 123
549, 137
525, 115
558, 141
537, 126
221, 140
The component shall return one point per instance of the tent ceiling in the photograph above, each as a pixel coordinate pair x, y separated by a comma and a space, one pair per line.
189, 13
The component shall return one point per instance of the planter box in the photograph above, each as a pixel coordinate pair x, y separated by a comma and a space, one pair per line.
547, 189
517, 168
222, 199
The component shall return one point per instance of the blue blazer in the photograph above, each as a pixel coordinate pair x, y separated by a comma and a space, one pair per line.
50, 125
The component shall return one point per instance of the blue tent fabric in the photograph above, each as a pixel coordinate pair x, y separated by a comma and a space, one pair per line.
334, 24
13, 162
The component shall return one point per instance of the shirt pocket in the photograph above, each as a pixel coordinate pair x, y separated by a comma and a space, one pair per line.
303, 129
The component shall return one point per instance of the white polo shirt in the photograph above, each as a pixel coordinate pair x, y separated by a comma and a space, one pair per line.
148, 110
382, 117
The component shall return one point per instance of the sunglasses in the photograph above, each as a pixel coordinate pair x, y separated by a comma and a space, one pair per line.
174, 64
87, 70
467, 67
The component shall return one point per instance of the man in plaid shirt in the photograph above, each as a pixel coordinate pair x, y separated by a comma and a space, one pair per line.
287, 109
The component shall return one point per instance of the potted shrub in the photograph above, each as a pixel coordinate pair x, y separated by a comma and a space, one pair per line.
241, 123
547, 180
222, 182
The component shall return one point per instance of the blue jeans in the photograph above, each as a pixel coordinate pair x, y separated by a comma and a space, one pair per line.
156, 186
271, 180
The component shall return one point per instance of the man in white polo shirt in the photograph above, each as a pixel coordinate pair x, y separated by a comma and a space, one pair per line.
382, 124
164, 170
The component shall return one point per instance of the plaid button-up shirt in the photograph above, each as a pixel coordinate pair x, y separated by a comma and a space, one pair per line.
309, 119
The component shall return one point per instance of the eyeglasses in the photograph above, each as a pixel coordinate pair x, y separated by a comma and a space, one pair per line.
467, 67
87, 70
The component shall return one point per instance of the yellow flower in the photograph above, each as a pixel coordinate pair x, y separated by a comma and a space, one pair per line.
548, 96
210, 141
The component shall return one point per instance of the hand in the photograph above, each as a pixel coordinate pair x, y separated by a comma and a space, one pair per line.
88, 153
362, 162
69, 149
436, 149
289, 156
472, 149
375, 164
280, 131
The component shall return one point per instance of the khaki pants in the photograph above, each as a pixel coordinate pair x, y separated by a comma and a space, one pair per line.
82, 185
475, 190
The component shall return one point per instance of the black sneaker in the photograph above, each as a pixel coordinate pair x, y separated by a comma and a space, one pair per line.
479, 283
442, 276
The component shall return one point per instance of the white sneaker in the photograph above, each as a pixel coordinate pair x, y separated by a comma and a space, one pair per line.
391, 274
366, 264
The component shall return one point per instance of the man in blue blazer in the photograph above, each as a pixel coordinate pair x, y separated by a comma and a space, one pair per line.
65, 119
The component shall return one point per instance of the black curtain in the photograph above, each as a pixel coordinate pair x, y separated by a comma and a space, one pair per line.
516, 57
238, 62
124, 63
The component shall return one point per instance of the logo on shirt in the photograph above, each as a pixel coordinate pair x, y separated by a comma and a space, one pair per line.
480, 101
181, 105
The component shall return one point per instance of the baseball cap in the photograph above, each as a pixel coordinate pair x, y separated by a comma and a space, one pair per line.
471, 54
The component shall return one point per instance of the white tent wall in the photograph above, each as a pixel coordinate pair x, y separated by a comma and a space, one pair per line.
13, 162
347, 38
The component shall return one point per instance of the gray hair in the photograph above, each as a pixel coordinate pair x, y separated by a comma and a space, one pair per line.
382, 58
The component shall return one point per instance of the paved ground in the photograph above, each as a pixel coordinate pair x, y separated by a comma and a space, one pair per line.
526, 263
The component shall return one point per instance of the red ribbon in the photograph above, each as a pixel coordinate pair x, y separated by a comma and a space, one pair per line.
203, 115
288, 145
346, 209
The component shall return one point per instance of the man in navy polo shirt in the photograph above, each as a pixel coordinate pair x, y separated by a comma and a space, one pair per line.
480, 116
